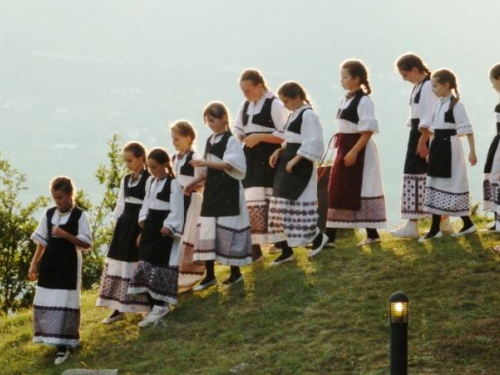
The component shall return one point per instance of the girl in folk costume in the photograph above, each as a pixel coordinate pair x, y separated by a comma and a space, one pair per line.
162, 219
123, 253
422, 104
62, 233
223, 230
491, 181
355, 191
258, 118
447, 188
183, 137
293, 210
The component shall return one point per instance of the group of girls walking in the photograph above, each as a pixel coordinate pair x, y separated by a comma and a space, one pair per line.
255, 185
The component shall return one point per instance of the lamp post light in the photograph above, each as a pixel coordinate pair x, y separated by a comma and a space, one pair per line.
398, 316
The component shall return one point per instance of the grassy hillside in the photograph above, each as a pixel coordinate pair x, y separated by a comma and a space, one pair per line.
326, 316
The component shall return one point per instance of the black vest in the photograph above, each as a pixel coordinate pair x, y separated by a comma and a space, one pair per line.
221, 195
59, 263
164, 194
187, 169
295, 126
416, 100
264, 118
138, 191
350, 113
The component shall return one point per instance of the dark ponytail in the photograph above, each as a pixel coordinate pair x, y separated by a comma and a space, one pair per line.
356, 68
137, 149
293, 90
443, 76
254, 76
408, 61
160, 155
495, 72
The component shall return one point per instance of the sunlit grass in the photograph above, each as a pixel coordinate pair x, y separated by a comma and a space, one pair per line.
311, 316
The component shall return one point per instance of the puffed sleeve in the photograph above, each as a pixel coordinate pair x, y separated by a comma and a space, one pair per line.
235, 157
175, 219
120, 203
279, 114
426, 106
238, 129
84, 231
41, 235
366, 113
313, 146
143, 213
462, 120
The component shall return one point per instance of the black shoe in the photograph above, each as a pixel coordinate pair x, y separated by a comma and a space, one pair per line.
282, 259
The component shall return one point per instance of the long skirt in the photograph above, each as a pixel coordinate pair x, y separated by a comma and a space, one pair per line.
56, 313
190, 272
157, 273
372, 211
258, 199
120, 264
227, 239
450, 196
295, 221
491, 179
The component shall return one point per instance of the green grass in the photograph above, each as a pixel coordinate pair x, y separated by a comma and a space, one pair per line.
326, 316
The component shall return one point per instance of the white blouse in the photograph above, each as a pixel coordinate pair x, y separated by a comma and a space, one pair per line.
462, 123
234, 156
186, 180
424, 109
279, 114
175, 219
311, 137
366, 113
41, 235
120, 203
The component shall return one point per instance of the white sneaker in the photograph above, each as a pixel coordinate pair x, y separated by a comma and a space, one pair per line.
113, 319
471, 230
424, 239
317, 250
446, 226
200, 287
368, 241
154, 316
409, 230
61, 357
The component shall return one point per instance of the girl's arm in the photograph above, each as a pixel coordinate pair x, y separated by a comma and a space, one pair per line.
352, 155
273, 159
219, 165
120, 203
422, 149
367, 126
254, 139
57, 231
292, 163
188, 189
472, 149
143, 213
174, 223
34, 262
